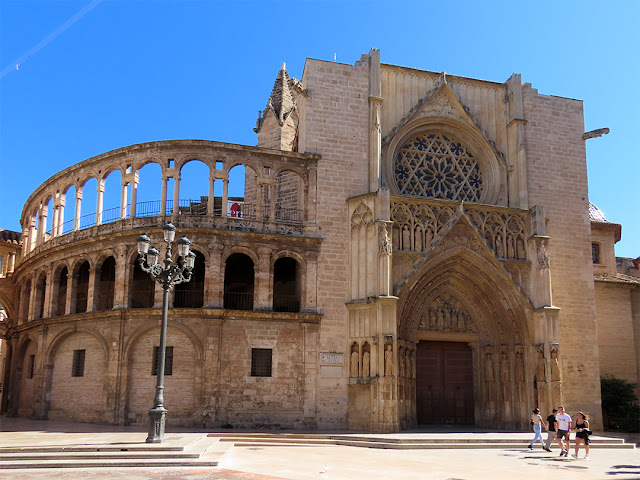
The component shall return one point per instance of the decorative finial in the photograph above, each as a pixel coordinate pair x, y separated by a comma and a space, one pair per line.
284, 66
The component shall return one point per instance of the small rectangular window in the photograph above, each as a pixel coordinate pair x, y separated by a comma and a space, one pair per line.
595, 253
168, 361
31, 370
170, 163
261, 362
77, 369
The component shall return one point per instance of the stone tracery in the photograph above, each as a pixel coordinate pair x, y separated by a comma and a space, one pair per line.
437, 166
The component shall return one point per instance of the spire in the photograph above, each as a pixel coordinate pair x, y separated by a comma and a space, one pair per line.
281, 99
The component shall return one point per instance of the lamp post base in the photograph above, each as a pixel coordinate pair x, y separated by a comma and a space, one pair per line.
157, 418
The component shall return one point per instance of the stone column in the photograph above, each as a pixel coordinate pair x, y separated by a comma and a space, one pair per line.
94, 275
122, 278
310, 372
61, 204
163, 196
78, 211
225, 196
210, 197
42, 225
12, 262
99, 202
54, 222
176, 194
262, 288
48, 296
259, 197
123, 200
213, 279
134, 196
310, 297
32, 299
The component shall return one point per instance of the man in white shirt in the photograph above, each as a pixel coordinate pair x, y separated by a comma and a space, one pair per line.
563, 427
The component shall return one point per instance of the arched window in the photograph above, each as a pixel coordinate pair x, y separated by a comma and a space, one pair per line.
438, 166
286, 285
61, 303
238, 282
82, 288
191, 293
106, 284
142, 288
40, 292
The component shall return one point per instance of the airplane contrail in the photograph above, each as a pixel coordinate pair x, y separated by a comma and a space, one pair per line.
15, 65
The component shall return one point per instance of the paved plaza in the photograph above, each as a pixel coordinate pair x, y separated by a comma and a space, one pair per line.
326, 462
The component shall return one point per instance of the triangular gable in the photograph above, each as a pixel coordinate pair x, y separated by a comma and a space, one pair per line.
442, 102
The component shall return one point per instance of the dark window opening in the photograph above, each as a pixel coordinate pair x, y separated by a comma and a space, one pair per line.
26, 298
595, 253
107, 284
82, 289
191, 293
261, 362
40, 291
168, 361
31, 369
142, 288
286, 285
61, 304
77, 369
238, 282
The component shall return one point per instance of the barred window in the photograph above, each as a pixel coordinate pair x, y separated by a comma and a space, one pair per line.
437, 166
261, 362
31, 369
77, 368
168, 361
595, 253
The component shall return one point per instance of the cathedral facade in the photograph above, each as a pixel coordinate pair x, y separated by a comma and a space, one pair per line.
410, 248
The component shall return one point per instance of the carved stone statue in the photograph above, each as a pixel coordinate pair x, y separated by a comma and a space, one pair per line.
395, 238
447, 317
519, 367
384, 247
511, 252
366, 362
440, 314
555, 367
499, 247
432, 319
520, 250
406, 238
541, 371
354, 364
388, 361
401, 372
488, 368
504, 368
543, 258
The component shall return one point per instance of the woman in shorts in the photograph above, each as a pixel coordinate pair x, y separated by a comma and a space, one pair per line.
582, 435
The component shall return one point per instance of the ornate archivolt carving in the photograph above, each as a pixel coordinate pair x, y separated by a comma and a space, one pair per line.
435, 165
416, 225
446, 314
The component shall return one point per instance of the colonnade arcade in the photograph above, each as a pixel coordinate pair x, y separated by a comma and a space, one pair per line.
271, 186
113, 279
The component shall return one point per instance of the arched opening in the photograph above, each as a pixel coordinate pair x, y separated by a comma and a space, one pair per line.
242, 191
286, 285
41, 287
82, 288
106, 284
149, 191
468, 323
68, 214
89, 203
61, 302
112, 197
191, 293
289, 192
194, 188
238, 282
142, 288
48, 220
26, 299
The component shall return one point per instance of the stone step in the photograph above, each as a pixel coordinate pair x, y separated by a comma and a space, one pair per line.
103, 463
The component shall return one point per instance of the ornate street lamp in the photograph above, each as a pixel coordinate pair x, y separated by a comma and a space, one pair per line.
167, 275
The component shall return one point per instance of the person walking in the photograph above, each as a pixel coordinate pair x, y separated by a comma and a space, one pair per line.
582, 434
538, 423
551, 430
563, 424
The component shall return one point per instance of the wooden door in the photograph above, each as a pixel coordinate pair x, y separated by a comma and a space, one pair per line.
444, 383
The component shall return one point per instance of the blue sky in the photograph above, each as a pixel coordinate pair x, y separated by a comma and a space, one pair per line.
131, 71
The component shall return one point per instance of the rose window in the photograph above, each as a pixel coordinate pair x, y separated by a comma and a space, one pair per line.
437, 166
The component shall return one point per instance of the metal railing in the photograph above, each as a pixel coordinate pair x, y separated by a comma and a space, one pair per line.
193, 297
286, 303
238, 301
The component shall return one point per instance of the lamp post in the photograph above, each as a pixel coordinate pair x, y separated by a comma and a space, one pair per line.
167, 275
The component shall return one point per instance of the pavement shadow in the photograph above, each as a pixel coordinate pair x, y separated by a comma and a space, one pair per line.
625, 470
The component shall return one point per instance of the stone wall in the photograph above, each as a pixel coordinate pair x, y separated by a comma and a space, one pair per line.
557, 180
334, 123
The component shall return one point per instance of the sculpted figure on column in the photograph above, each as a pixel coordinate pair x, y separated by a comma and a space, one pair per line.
488, 368
388, 361
354, 364
366, 364
541, 372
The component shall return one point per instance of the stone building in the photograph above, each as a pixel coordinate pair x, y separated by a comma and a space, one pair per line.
410, 248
